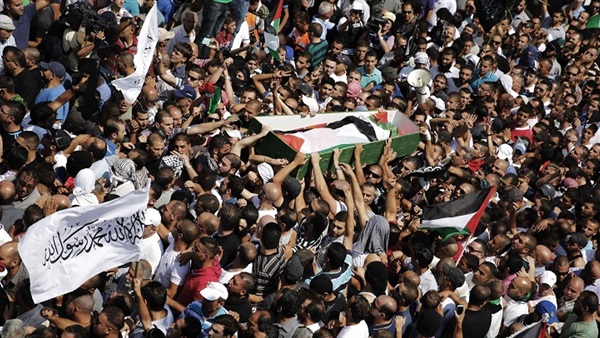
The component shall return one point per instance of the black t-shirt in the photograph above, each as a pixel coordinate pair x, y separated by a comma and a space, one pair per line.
333, 309
477, 323
8, 139
241, 306
27, 86
230, 244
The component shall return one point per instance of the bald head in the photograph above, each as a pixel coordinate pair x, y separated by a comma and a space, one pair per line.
209, 222
149, 93
387, 305
542, 255
247, 253
62, 202
523, 284
189, 231
7, 192
411, 277
272, 192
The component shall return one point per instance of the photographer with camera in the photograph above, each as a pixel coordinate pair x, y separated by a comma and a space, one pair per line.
381, 37
127, 42
351, 27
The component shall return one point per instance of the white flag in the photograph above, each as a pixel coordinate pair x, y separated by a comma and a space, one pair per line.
131, 86
65, 249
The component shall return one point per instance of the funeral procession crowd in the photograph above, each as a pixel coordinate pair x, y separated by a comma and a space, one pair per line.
312, 168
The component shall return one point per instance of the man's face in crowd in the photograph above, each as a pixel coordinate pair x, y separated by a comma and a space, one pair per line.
177, 117
25, 185
326, 90
181, 147
224, 166
166, 125
484, 67
337, 48
301, 63
5, 34
193, 79
361, 53
329, 66
482, 274
439, 84
155, 149
15, 7
573, 289
216, 331
369, 194
465, 76
142, 119
370, 63
247, 96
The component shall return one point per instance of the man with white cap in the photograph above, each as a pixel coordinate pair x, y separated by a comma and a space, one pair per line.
545, 291
151, 245
210, 307
54, 74
6, 37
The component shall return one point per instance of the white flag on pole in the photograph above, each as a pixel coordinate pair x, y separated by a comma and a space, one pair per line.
131, 86
65, 249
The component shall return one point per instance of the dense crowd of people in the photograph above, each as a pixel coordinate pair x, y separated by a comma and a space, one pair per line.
235, 243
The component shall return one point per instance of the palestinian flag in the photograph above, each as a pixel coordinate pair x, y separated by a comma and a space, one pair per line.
277, 16
271, 44
460, 216
271, 37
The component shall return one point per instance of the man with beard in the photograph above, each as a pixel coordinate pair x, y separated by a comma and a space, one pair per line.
580, 322
516, 298
22, 16
567, 302
446, 65
465, 75
310, 312
53, 73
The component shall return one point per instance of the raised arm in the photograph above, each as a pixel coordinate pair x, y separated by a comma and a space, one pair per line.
350, 222
209, 126
246, 141
358, 170
143, 311
357, 193
320, 183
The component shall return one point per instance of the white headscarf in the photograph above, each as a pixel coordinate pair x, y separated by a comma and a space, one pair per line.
84, 185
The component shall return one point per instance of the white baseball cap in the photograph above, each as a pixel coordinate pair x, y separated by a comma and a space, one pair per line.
214, 291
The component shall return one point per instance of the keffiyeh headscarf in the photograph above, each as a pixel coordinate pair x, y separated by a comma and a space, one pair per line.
84, 186
124, 170
375, 237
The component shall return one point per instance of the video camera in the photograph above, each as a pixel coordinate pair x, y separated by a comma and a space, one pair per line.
78, 13
375, 23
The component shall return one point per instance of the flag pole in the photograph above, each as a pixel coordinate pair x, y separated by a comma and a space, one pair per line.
464, 248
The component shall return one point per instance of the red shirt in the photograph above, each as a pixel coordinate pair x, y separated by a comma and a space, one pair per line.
197, 280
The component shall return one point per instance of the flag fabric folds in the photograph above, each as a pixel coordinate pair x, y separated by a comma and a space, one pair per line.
271, 37
460, 216
67, 248
131, 86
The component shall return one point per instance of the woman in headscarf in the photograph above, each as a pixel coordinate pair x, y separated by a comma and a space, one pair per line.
83, 191
124, 179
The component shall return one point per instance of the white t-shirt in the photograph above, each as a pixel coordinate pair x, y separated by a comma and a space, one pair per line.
514, 309
169, 271
151, 250
360, 330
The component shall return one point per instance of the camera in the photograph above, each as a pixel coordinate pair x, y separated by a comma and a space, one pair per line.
375, 24
79, 13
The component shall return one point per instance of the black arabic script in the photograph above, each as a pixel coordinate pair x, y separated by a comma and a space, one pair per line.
77, 239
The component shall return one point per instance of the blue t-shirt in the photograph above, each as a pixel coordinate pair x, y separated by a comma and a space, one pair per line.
51, 94
23, 26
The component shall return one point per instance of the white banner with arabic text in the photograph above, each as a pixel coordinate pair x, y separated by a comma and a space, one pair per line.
65, 249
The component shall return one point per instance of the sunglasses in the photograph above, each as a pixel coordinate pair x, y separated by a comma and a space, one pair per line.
193, 78
374, 175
